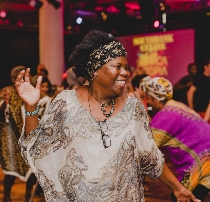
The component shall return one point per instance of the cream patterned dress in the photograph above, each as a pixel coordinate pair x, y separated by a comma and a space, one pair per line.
67, 155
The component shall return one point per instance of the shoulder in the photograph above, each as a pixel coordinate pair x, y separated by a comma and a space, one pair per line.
131, 94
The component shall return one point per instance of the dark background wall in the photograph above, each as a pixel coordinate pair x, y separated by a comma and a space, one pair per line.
21, 47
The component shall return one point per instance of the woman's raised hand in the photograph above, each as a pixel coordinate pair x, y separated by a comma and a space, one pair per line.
26, 91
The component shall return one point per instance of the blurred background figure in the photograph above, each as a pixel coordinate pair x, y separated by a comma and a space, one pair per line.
11, 123
64, 81
45, 96
182, 86
183, 134
207, 114
73, 81
198, 95
137, 92
41, 71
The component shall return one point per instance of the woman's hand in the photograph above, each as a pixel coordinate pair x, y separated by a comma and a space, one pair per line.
26, 91
184, 195
181, 193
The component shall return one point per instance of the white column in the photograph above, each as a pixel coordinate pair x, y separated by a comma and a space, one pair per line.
51, 40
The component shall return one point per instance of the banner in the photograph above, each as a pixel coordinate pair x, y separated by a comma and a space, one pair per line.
164, 54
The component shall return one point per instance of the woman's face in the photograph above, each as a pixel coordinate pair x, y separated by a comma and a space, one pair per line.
44, 88
112, 76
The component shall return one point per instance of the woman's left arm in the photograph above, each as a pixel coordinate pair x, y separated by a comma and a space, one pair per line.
181, 193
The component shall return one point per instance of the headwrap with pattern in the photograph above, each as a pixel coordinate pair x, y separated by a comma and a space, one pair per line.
104, 54
158, 87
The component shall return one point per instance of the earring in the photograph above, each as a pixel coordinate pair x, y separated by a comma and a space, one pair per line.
95, 76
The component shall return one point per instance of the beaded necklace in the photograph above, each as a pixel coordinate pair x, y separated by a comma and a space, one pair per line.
101, 123
103, 105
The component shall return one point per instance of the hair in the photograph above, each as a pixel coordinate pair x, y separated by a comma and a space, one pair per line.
189, 66
41, 66
46, 80
16, 70
45, 71
135, 82
80, 56
206, 63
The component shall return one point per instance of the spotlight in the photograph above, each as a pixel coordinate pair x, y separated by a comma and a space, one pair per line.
156, 23
55, 3
3, 14
79, 20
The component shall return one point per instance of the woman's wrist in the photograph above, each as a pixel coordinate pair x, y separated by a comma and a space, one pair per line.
30, 108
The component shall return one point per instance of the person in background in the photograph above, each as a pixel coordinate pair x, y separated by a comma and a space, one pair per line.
182, 86
138, 93
198, 95
45, 96
207, 114
12, 163
73, 81
64, 82
183, 134
41, 71
94, 143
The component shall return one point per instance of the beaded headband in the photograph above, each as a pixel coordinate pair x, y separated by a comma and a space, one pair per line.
158, 87
105, 54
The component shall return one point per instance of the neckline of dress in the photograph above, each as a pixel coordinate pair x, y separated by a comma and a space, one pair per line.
107, 119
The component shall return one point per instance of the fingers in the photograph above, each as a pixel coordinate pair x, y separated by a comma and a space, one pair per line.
27, 74
20, 76
38, 82
194, 199
19, 79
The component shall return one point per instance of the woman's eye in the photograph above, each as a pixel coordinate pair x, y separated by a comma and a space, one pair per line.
126, 67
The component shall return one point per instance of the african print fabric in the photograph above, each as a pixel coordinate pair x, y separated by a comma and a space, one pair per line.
67, 155
11, 161
186, 138
104, 54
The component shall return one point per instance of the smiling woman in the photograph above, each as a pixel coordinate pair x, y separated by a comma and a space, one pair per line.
94, 143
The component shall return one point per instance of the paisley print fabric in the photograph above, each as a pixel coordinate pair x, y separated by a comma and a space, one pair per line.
67, 155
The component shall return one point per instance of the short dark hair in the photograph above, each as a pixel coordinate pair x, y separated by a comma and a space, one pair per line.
80, 56
135, 82
189, 66
16, 70
45, 71
207, 61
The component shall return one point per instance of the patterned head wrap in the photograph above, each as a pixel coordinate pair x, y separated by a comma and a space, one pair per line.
158, 87
104, 54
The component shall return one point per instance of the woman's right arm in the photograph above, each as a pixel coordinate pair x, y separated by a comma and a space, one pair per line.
190, 96
30, 96
31, 122
207, 113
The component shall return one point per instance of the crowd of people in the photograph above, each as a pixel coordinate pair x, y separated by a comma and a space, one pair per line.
90, 140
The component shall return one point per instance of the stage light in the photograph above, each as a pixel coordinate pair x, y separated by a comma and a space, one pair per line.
79, 20
3, 14
156, 23
55, 3
104, 16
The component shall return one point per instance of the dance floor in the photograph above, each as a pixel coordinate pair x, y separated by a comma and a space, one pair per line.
158, 192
